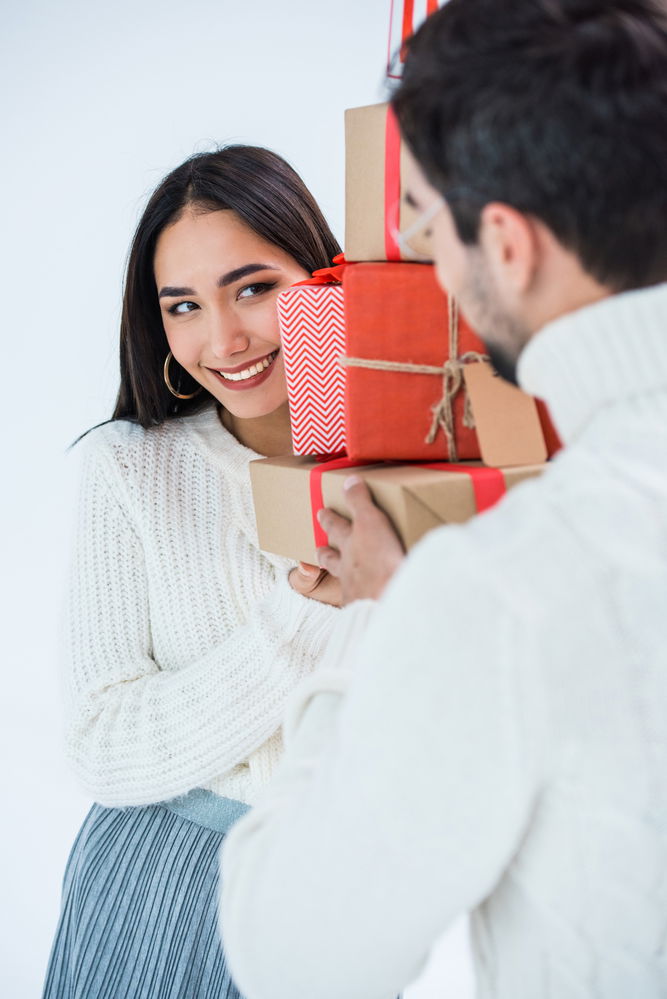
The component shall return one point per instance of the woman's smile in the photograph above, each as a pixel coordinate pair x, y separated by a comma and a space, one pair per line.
246, 376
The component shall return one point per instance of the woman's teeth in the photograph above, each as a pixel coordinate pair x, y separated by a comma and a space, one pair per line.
255, 369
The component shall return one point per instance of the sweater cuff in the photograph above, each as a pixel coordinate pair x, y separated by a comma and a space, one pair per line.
305, 623
331, 680
351, 625
318, 696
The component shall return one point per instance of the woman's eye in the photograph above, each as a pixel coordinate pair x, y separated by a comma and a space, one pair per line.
180, 308
252, 290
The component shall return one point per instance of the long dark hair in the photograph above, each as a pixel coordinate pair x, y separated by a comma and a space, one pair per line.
265, 193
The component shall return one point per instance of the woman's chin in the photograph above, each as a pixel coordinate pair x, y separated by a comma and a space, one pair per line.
254, 409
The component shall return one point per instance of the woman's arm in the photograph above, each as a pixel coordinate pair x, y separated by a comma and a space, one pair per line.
137, 734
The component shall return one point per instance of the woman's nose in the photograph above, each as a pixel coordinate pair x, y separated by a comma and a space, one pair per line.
226, 335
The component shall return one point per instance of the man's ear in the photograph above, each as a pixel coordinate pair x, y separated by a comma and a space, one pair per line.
511, 246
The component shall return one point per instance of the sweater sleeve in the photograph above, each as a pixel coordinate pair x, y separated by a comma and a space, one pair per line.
408, 780
137, 734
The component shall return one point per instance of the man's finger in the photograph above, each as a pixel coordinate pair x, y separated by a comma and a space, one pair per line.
336, 527
358, 496
329, 559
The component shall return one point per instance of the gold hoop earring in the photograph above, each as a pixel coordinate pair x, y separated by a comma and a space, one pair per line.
171, 388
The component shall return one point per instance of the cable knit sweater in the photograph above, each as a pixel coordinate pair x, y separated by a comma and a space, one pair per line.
502, 743
183, 639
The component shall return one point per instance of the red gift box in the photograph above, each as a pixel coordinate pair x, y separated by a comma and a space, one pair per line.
313, 338
412, 387
416, 388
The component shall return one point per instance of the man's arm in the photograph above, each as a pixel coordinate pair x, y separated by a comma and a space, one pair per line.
399, 803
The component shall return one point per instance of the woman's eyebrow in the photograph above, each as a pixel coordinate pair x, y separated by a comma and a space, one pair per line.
171, 291
244, 271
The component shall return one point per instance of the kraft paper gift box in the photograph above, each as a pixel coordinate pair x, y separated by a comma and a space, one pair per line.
312, 333
288, 492
374, 202
417, 386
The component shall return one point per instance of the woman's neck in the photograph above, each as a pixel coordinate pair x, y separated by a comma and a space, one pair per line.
269, 435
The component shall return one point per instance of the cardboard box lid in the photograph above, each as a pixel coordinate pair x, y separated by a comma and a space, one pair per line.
412, 497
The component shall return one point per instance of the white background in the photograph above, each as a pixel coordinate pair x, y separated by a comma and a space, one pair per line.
100, 101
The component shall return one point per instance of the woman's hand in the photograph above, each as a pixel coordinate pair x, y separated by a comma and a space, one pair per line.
316, 583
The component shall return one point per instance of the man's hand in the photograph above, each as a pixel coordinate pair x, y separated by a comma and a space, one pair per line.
316, 583
365, 553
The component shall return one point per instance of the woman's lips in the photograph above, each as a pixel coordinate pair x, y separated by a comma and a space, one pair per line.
246, 377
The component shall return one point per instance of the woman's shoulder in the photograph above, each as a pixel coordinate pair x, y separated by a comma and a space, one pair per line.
126, 435
124, 448
180, 445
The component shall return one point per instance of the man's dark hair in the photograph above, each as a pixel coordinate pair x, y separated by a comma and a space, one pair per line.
556, 107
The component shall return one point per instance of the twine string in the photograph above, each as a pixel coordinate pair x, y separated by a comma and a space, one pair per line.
452, 382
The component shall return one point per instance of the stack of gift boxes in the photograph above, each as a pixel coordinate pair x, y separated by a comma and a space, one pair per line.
384, 375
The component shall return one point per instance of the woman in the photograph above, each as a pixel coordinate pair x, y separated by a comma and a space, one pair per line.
184, 640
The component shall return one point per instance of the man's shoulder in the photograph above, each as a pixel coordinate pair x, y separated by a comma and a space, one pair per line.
528, 543
557, 538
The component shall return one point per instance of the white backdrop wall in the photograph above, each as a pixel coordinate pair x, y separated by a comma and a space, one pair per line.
99, 102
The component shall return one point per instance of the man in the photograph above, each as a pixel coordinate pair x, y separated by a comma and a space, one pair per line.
490, 735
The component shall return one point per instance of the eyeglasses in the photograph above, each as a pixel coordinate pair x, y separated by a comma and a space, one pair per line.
412, 242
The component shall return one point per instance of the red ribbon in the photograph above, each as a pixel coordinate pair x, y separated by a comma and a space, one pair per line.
325, 463
488, 485
407, 26
326, 275
392, 186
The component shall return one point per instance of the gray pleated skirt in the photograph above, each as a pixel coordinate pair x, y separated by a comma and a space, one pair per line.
139, 909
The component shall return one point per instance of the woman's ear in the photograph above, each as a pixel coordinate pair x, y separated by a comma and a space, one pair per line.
511, 246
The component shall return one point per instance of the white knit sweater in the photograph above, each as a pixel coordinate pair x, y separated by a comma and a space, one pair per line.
502, 746
183, 640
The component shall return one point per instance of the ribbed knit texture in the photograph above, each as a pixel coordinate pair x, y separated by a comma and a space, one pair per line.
183, 639
502, 745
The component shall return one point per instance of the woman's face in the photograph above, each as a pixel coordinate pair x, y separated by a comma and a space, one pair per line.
217, 283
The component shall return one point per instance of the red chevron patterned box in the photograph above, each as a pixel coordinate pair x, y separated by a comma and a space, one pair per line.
312, 329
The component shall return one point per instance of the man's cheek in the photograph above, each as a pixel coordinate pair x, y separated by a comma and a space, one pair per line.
448, 274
